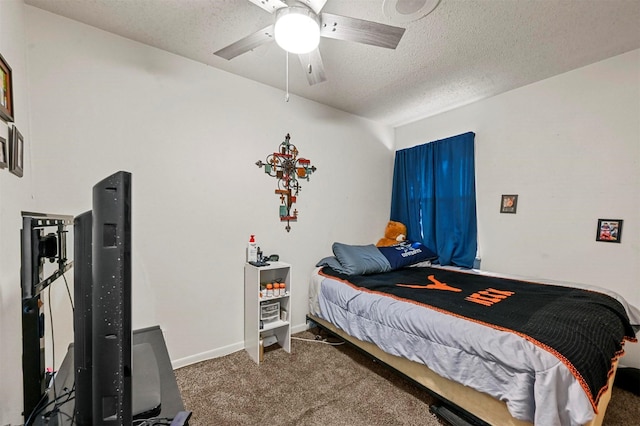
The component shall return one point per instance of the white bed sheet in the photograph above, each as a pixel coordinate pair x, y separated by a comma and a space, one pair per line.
534, 384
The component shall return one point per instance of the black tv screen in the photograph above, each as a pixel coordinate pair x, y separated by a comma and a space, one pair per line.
82, 318
102, 351
111, 310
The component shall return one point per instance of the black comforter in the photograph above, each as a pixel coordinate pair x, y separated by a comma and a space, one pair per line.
584, 329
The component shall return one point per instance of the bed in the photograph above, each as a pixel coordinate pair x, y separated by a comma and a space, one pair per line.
491, 369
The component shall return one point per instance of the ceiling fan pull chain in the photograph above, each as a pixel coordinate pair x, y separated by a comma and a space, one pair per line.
286, 96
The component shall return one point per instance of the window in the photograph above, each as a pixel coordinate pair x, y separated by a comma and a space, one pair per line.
434, 196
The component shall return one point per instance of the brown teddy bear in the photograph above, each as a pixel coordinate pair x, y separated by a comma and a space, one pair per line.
395, 233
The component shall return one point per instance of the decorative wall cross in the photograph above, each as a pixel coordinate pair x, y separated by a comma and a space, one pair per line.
289, 170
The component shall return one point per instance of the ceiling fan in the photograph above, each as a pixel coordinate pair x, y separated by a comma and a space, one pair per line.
298, 26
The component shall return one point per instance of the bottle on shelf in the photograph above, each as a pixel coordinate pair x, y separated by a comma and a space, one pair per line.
252, 250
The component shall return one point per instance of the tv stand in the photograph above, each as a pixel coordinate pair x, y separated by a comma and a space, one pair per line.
171, 405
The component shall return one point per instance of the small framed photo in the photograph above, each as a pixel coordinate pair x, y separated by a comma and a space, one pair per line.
509, 203
609, 230
6, 91
3, 153
16, 152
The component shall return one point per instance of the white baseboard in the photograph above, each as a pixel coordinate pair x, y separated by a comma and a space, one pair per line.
226, 350
203, 356
299, 328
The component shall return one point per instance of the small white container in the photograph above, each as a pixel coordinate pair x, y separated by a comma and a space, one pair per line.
269, 311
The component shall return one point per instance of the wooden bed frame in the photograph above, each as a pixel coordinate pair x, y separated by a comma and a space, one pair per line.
477, 407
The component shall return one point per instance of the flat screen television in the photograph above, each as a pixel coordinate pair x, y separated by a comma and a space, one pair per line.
102, 314
82, 316
105, 347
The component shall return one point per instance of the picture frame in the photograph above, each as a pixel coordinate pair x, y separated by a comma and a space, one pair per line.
509, 203
4, 159
16, 152
609, 230
6, 91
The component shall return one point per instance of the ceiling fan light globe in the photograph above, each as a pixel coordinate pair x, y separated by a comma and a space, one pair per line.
297, 30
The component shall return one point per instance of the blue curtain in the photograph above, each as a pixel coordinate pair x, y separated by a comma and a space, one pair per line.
434, 195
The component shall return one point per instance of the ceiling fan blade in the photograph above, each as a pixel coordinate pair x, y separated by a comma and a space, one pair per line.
315, 5
360, 31
246, 44
269, 5
313, 67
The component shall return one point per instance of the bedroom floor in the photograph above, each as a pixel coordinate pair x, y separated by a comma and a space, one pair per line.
320, 384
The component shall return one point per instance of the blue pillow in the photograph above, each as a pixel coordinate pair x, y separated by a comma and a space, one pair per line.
332, 263
360, 260
407, 253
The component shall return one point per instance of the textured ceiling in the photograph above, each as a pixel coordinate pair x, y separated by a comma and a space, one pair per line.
464, 51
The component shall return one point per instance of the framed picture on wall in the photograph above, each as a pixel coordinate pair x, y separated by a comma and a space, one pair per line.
3, 153
509, 203
16, 152
6, 91
609, 230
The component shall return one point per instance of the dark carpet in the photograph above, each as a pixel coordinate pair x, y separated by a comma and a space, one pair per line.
320, 384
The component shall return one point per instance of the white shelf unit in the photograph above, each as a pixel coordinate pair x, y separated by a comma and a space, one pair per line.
254, 277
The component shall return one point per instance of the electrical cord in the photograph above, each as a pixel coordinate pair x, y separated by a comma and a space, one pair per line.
153, 421
37, 408
70, 394
73, 417
73, 309
53, 340
319, 339
52, 384
53, 347
57, 404
56, 410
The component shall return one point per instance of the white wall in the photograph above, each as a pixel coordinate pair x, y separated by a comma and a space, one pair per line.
569, 146
190, 135
15, 195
